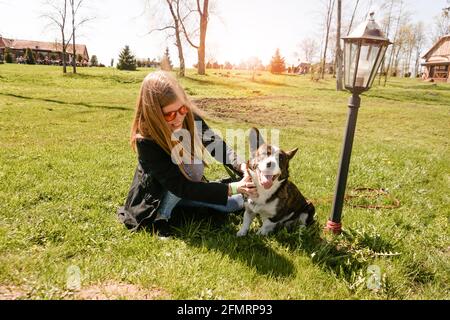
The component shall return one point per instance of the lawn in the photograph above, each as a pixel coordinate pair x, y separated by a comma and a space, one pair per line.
66, 165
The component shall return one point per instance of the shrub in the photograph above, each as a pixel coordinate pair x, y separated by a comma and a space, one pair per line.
8, 57
29, 56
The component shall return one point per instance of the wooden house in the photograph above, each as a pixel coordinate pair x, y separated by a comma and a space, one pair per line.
437, 61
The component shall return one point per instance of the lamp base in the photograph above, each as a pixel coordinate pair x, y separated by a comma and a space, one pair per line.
335, 227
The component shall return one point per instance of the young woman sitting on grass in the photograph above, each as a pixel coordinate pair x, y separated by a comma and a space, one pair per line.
172, 143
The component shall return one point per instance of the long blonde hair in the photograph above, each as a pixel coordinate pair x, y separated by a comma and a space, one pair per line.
158, 90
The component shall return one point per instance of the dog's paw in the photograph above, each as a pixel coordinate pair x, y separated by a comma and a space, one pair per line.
241, 233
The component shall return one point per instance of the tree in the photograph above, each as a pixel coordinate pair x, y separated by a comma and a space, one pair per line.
174, 24
29, 56
94, 61
396, 44
339, 70
75, 5
442, 24
409, 40
277, 64
203, 16
127, 61
419, 31
166, 63
8, 56
309, 48
329, 15
387, 19
353, 17
57, 15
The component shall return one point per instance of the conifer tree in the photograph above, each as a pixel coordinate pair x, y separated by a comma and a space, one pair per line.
127, 61
166, 63
277, 64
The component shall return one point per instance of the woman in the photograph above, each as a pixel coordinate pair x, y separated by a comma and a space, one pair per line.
170, 168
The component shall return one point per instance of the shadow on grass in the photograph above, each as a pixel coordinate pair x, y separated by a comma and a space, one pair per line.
326, 253
65, 102
346, 256
417, 96
212, 83
214, 231
272, 83
423, 86
116, 78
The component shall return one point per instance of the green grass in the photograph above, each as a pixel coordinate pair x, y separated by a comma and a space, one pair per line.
66, 165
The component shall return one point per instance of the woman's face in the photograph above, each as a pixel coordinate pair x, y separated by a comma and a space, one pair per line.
174, 108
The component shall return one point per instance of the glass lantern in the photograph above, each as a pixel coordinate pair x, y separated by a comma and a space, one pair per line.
364, 49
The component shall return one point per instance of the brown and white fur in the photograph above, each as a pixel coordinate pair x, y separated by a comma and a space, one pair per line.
279, 202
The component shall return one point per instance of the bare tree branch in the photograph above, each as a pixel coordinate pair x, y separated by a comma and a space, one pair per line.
161, 29
184, 28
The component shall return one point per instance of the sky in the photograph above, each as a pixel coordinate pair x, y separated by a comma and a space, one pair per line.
237, 30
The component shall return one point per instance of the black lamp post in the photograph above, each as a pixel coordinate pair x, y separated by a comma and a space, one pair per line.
364, 49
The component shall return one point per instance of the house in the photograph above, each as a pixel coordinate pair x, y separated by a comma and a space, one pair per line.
437, 61
303, 68
45, 52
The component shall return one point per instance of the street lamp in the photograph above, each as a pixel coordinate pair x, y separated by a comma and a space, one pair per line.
364, 49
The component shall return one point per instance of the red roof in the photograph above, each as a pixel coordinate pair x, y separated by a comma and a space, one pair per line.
435, 45
41, 46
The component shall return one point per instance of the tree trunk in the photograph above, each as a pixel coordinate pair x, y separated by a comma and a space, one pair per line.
393, 46
64, 53
182, 71
178, 43
339, 86
74, 58
387, 31
416, 65
64, 38
202, 46
329, 15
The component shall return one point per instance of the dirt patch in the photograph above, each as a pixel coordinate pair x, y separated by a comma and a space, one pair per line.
250, 110
103, 291
12, 293
116, 291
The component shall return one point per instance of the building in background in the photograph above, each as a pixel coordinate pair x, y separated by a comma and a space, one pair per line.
437, 61
45, 52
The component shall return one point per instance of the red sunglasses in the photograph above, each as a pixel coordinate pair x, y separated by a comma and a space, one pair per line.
170, 116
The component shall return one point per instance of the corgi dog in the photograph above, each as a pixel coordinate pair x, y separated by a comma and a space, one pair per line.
279, 202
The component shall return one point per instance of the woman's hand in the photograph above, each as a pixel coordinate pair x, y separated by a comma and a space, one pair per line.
247, 187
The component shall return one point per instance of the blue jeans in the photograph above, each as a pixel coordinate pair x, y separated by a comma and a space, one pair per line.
170, 201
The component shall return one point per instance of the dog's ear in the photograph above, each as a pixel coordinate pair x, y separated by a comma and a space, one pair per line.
255, 140
291, 154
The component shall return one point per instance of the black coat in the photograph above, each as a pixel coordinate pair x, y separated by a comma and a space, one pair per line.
156, 173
